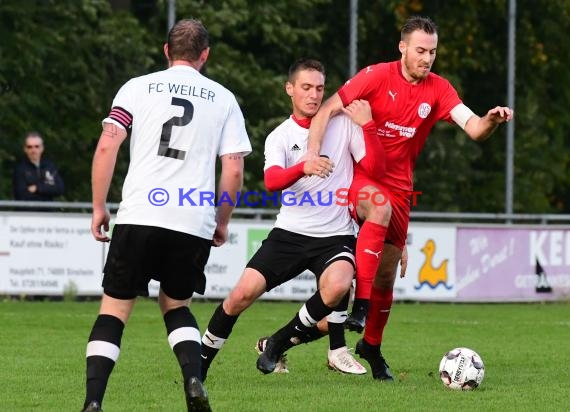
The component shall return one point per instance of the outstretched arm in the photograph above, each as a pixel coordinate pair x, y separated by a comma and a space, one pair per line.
480, 128
330, 107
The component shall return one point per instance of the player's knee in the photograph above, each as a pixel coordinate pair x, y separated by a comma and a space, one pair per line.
238, 300
377, 208
335, 290
381, 213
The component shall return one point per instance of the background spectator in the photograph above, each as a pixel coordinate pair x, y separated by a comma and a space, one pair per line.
36, 178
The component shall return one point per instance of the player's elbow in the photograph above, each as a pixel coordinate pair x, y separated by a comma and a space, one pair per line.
232, 175
270, 188
478, 129
329, 111
479, 136
106, 147
270, 185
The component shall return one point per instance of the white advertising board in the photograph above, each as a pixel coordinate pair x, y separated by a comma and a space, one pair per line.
53, 254
49, 254
431, 264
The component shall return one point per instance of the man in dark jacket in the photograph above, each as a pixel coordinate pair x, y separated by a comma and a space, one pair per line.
36, 178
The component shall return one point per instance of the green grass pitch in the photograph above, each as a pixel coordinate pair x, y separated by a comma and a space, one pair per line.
525, 348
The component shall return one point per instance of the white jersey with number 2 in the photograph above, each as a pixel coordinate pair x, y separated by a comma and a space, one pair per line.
180, 122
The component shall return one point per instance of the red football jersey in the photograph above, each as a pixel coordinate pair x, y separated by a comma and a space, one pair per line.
404, 114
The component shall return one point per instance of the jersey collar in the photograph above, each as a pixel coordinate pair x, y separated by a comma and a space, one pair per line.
304, 123
183, 67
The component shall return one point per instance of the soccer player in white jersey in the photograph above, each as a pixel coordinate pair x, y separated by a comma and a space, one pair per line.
315, 234
179, 122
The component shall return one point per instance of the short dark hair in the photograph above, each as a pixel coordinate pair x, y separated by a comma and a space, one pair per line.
32, 133
418, 23
304, 63
187, 39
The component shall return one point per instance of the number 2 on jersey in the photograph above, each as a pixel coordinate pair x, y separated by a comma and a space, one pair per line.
164, 148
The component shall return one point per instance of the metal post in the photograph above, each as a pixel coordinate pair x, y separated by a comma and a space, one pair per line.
511, 104
171, 13
353, 41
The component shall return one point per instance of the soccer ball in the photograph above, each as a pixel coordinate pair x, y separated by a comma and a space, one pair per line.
461, 369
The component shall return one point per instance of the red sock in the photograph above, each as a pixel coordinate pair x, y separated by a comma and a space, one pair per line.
369, 245
378, 312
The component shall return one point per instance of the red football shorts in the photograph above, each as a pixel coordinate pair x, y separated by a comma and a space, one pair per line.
398, 227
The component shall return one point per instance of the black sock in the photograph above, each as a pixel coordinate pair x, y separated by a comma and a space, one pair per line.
368, 347
306, 319
311, 335
184, 339
336, 324
219, 329
360, 305
103, 349
336, 336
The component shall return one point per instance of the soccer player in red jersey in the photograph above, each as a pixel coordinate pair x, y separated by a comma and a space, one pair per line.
406, 100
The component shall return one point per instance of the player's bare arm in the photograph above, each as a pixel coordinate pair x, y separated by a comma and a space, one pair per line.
481, 128
102, 169
112, 131
404, 262
330, 107
231, 180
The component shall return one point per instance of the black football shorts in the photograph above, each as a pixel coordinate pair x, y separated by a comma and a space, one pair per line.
139, 253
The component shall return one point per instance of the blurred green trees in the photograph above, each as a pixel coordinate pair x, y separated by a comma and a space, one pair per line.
62, 61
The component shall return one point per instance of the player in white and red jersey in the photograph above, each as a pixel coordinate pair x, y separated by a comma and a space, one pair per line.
179, 123
312, 231
406, 100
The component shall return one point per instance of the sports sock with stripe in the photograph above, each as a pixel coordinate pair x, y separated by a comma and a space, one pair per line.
335, 322
306, 319
103, 350
184, 340
219, 329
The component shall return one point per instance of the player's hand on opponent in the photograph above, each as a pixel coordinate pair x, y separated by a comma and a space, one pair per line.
320, 166
100, 224
220, 235
500, 114
359, 111
404, 262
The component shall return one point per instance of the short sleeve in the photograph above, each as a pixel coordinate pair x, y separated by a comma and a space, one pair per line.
122, 108
447, 100
275, 153
362, 85
234, 135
